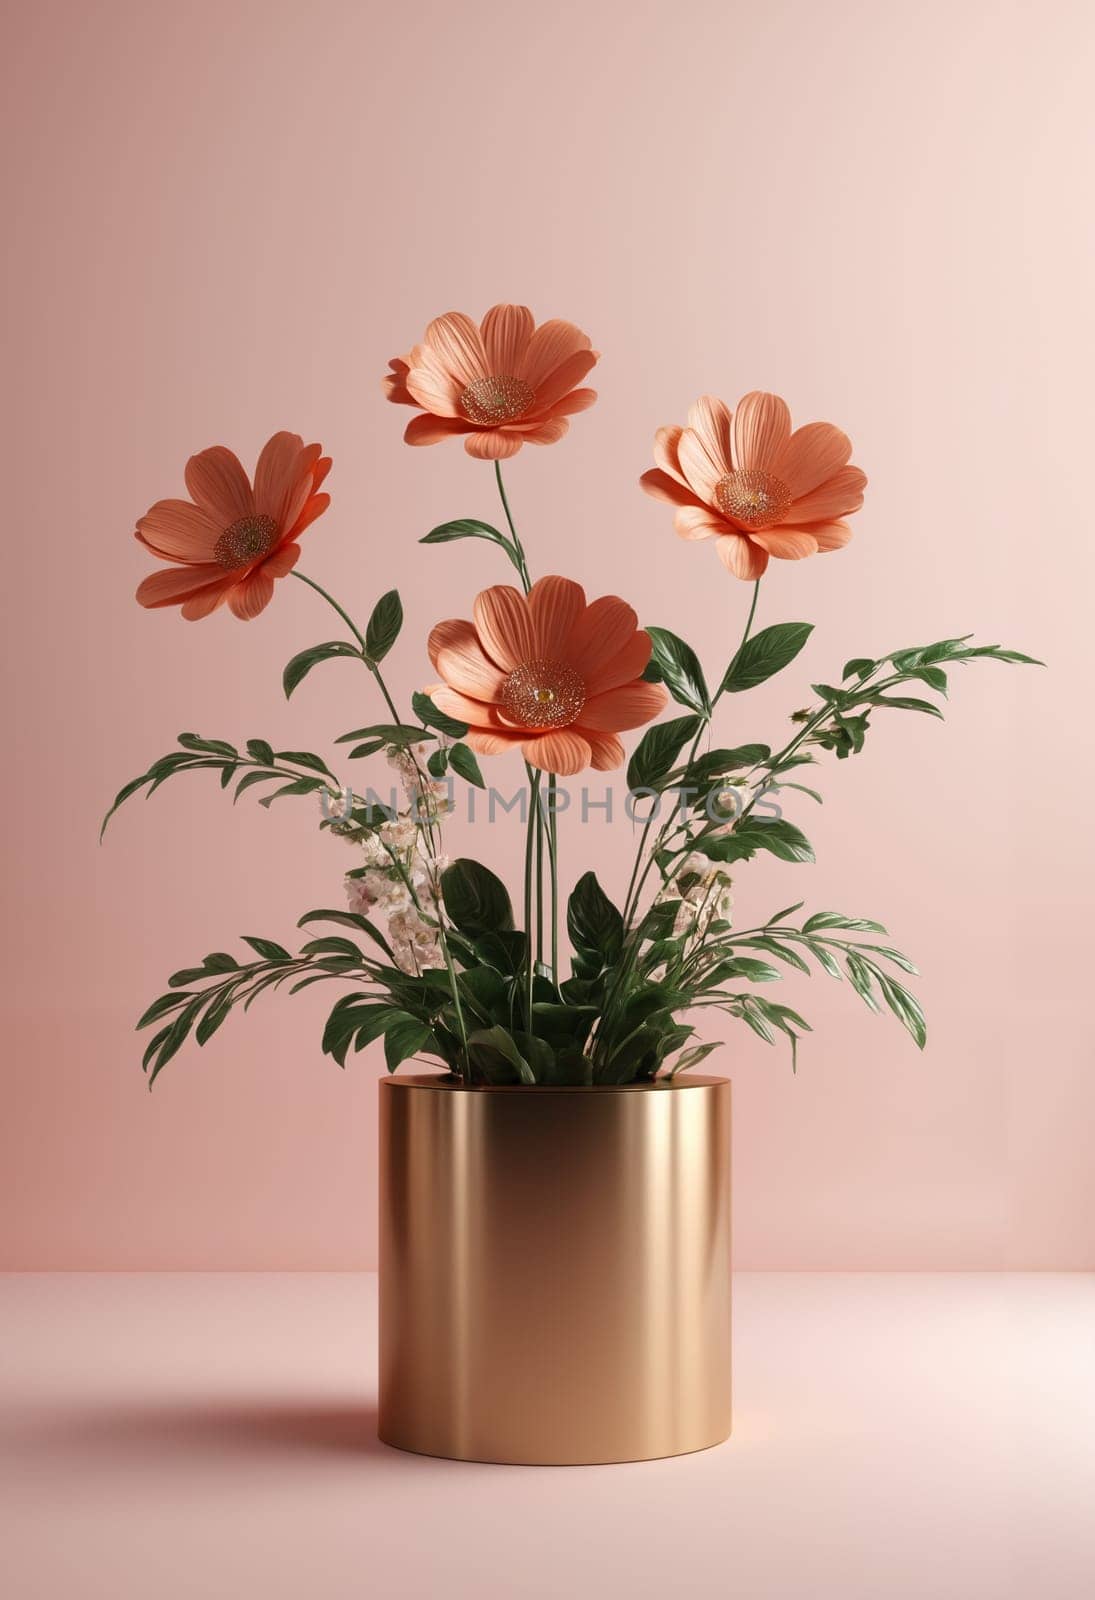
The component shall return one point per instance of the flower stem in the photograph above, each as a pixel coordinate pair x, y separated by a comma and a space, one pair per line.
522, 563
530, 836
553, 863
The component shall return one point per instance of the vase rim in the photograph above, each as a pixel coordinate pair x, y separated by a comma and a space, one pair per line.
445, 1081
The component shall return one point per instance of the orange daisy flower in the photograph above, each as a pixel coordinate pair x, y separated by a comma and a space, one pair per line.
502, 385
230, 541
748, 482
547, 673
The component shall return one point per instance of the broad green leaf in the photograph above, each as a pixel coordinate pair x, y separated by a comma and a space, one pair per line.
499, 1039
836, 919
596, 927
301, 665
765, 654
677, 666
463, 763
658, 750
260, 751
476, 901
774, 834
382, 629
424, 708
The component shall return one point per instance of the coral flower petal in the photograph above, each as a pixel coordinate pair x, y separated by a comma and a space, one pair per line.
741, 556
600, 633
313, 508
464, 707
811, 456
762, 427
506, 333
562, 380
837, 497
667, 442
427, 428
493, 743
177, 583
490, 445
555, 605
699, 522
504, 624
283, 560
709, 421
434, 390
178, 531
458, 656
788, 544
626, 707
457, 341
605, 749
625, 666
247, 599
206, 601
563, 751
577, 400
548, 432
699, 470
219, 486
552, 343
828, 535
278, 474
661, 486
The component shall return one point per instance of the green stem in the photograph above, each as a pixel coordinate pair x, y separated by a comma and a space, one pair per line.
522, 567
553, 862
531, 834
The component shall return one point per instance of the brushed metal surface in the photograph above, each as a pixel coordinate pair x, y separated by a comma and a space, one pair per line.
554, 1270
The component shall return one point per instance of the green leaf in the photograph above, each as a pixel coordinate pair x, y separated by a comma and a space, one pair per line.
305, 758
718, 763
301, 786
160, 1008
858, 667
259, 750
775, 834
266, 948
658, 750
499, 1039
836, 919
406, 1038
389, 733
476, 901
438, 764
249, 780
765, 654
382, 629
692, 1057
301, 665
424, 708
213, 1018
349, 919
464, 764
596, 927
215, 747
678, 667
906, 703
470, 528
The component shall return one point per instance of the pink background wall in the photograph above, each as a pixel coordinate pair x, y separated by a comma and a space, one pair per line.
225, 218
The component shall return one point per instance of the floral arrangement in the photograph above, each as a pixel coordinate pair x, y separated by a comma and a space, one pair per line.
430, 948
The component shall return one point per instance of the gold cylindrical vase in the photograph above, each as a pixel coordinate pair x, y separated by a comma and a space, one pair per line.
554, 1270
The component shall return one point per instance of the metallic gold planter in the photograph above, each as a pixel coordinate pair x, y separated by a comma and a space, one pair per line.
554, 1270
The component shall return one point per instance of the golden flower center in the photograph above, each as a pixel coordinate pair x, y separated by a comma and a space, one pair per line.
753, 497
490, 401
543, 694
244, 540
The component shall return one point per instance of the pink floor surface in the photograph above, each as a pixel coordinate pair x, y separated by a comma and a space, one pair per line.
896, 1437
